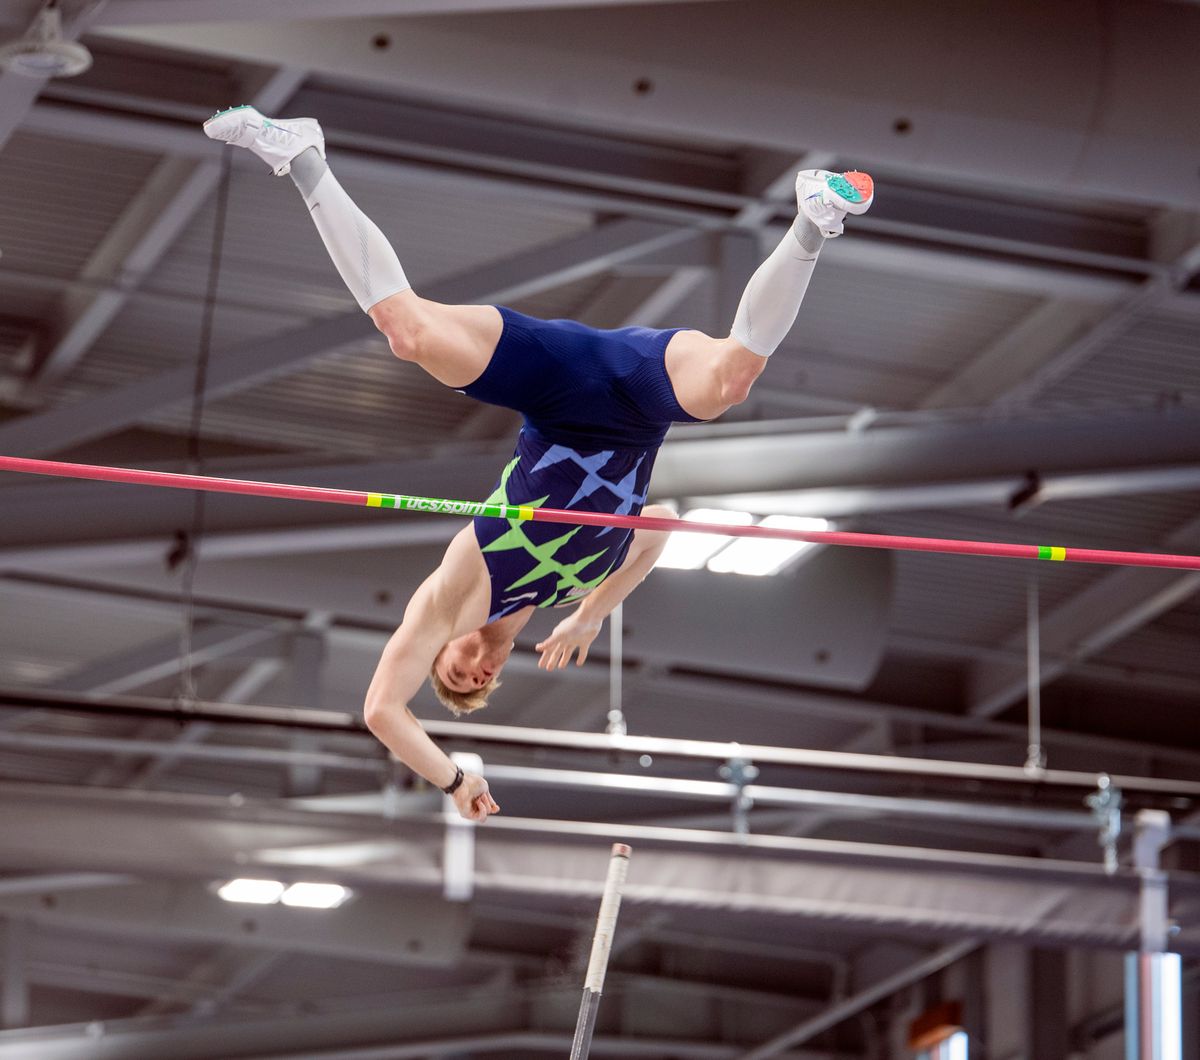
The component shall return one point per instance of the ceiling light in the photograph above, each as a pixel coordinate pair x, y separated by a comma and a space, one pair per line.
760, 556
257, 892
689, 551
315, 895
43, 52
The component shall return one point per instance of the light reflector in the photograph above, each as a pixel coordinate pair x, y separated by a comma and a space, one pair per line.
686, 551
759, 556
315, 895
257, 892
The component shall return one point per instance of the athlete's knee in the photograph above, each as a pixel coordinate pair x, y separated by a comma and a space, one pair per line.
404, 321
739, 369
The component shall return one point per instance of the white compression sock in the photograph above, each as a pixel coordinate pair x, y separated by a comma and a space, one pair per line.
363, 256
772, 298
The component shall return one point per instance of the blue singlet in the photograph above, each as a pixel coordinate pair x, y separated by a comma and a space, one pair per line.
597, 405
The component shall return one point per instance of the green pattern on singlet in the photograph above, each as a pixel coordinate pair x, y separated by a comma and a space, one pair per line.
541, 556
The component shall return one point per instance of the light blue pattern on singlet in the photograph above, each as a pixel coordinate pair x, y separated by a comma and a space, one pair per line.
542, 564
625, 491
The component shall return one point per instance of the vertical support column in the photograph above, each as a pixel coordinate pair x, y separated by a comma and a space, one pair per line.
1153, 981
1191, 1019
1049, 1033
974, 997
1035, 755
307, 651
458, 852
14, 987
616, 669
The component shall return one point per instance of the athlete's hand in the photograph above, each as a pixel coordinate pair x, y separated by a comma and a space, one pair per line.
473, 799
572, 634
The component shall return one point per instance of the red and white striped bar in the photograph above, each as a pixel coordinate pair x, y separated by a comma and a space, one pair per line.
445, 506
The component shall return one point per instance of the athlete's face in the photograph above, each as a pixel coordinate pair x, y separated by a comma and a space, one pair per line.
471, 661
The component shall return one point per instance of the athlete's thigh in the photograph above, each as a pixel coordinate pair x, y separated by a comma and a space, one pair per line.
457, 341
705, 372
453, 343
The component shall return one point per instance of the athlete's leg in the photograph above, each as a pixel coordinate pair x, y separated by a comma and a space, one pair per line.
452, 343
708, 374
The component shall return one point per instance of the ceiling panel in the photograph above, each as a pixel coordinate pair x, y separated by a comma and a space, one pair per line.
885, 338
59, 198
1154, 358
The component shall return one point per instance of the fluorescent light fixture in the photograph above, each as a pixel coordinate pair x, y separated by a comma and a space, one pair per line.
315, 895
759, 556
257, 892
957, 1047
686, 551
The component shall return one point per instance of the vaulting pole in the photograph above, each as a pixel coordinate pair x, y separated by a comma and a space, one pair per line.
606, 924
525, 513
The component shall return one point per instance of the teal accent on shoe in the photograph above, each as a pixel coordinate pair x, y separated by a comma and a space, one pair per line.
222, 113
843, 187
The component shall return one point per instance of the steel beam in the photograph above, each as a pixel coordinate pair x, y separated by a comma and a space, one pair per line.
932, 453
583, 188
1001, 137
424, 932
240, 690
249, 363
1049, 344
221, 978
41, 884
933, 892
161, 12
1118, 754
1113, 754
297, 1038
1097, 333
161, 658
1100, 615
254, 756
108, 981
137, 241
864, 999
948, 457
1025, 348
235, 545
329, 721
835, 502
832, 803
656, 309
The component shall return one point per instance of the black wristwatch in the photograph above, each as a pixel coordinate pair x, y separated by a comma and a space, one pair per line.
456, 783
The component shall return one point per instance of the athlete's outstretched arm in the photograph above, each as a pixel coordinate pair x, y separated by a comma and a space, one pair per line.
580, 628
430, 620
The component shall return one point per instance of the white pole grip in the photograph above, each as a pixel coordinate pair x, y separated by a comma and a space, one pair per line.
606, 922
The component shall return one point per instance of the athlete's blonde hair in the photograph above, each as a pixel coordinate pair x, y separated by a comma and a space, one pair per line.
460, 703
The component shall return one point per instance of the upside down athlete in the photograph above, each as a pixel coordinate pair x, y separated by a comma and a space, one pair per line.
597, 405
